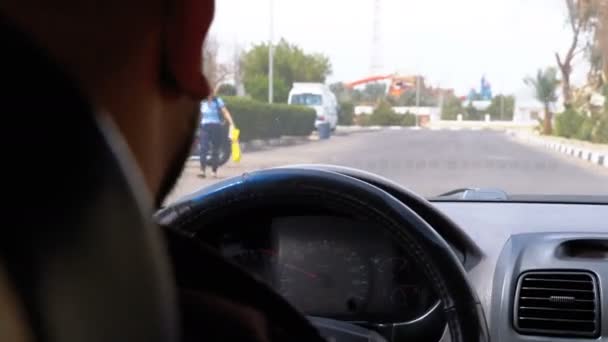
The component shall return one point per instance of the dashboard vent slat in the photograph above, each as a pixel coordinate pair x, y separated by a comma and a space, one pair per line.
558, 304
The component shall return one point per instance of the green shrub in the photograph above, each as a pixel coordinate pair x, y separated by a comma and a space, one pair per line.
408, 119
362, 120
384, 115
258, 120
600, 131
346, 113
605, 93
568, 123
585, 130
385, 119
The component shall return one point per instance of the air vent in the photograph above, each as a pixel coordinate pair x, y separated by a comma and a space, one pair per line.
558, 304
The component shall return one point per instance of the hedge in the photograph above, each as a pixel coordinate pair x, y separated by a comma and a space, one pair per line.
258, 120
568, 123
384, 115
572, 124
600, 132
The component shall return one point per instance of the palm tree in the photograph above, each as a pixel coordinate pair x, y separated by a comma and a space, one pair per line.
602, 33
595, 17
545, 86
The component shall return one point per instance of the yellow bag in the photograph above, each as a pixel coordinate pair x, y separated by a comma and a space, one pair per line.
236, 148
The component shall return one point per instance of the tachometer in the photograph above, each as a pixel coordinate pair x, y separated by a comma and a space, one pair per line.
408, 294
409, 297
260, 262
321, 277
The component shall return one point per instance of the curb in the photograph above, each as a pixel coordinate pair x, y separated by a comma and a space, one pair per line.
262, 144
599, 158
259, 144
467, 128
357, 129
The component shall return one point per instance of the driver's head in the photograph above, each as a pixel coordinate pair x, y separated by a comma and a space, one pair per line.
139, 61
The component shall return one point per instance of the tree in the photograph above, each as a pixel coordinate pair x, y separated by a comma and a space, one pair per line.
545, 86
471, 113
342, 93
291, 64
226, 90
374, 92
451, 107
426, 98
578, 20
502, 107
237, 63
602, 34
215, 71
257, 87
596, 23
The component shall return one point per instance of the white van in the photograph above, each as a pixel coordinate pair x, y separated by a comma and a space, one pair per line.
319, 97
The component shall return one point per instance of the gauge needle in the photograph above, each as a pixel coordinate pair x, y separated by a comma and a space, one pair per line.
290, 266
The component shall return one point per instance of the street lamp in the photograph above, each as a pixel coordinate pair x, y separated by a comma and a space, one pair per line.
417, 98
271, 54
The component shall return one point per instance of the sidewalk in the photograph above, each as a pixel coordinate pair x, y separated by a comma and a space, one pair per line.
594, 153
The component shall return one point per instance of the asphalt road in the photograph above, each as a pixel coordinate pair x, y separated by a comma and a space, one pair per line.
433, 162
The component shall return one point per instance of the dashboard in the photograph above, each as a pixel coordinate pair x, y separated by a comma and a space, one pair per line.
522, 239
346, 269
333, 267
539, 269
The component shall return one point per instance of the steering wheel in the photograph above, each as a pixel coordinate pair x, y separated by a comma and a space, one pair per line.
342, 195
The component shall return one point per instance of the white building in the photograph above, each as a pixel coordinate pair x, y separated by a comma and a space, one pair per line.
433, 113
364, 110
528, 109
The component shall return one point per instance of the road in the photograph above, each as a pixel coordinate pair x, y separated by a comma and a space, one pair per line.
432, 162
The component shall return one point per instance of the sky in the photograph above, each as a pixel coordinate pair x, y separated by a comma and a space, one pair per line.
453, 43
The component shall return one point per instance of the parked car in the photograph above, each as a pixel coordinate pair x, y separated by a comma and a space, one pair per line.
319, 97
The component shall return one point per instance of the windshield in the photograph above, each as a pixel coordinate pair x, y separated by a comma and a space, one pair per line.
306, 99
502, 97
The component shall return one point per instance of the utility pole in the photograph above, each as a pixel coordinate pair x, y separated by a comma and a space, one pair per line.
417, 98
376, 55
271, 54
502, 107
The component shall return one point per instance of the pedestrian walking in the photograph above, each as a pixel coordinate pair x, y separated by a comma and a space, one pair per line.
214, 114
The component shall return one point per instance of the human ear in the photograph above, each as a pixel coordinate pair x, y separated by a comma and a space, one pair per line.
186, 28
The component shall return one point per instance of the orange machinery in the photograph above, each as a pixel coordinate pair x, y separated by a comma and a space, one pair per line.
398, 84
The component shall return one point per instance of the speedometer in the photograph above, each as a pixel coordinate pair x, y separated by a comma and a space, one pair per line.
322, 277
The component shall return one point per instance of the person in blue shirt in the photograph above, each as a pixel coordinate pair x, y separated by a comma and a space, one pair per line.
213, 113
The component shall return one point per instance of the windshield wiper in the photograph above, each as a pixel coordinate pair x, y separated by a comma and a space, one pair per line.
474, 194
